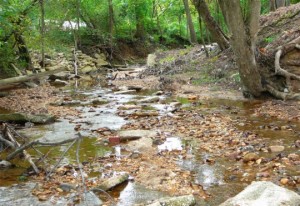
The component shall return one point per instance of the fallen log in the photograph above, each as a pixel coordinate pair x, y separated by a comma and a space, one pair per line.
15, 81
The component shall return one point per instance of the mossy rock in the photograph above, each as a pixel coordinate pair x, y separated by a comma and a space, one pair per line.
22, 118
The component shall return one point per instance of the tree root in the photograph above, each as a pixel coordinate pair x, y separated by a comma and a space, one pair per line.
282, 50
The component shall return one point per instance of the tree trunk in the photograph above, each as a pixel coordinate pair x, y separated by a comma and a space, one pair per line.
43, 32
78, 39
243, 41
111, 26
272, 5
190, 24
211, 24
23, 50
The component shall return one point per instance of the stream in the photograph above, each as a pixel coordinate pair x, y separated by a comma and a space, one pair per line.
98, 108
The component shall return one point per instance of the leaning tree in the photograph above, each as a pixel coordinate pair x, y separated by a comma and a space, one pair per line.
261, 68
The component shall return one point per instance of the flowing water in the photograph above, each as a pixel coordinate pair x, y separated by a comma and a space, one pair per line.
213, 177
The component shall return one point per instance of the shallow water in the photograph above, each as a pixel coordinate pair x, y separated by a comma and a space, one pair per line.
214, 178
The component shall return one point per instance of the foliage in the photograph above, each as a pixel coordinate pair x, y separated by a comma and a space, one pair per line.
157, 21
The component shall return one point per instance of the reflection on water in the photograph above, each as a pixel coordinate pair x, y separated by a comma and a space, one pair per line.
134, 193
171, 143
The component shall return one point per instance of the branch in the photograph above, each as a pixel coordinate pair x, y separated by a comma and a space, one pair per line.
37, 142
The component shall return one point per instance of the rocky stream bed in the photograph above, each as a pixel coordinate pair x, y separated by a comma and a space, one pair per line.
204, 150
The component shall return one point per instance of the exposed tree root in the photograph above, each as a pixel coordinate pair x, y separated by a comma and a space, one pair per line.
282, 50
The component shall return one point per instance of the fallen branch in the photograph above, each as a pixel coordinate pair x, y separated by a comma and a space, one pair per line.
79, 164
37, 142
4, 83
61, 157
17, 144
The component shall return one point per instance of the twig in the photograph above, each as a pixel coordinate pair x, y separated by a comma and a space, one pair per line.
8, 143
62, 156
37, 142
103, 191
78, 162
26, 154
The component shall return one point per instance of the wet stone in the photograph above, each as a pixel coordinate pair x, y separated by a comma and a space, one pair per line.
250, 157
276, 148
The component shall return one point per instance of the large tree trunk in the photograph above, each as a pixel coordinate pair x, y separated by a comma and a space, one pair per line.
243, 41
190, 24
211, 24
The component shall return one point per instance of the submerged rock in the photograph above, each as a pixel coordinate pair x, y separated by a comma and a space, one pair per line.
22, 118
21, 195
187, 200
90, 199
266, 194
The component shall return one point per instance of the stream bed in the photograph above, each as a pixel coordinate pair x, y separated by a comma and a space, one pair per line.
98, 109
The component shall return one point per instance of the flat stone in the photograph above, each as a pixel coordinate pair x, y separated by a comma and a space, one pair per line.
137, 133
266, 194
149, 100
21, 195
113, 181
276, 148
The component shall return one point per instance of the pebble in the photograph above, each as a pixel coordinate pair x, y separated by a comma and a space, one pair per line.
250, 157
284, 181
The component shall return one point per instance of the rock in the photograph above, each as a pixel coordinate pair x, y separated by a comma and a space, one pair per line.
175, 104
67, 187
99, 101
264, 193
158, 93
60, 76
113, 181
284, 181
143, 144
129, 107
22, 118
5, 164
22, 195
187, 200
90, 199
250, 157
276, 148
136, 133
151, 60
149, 100
88, 69
59, 83
137, 88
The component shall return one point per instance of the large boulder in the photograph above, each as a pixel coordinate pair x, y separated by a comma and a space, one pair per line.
151, 60
266, 194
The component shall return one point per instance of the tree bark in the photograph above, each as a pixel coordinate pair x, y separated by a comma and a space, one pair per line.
23, 50
43, 32
211, 24
111, 26
243, 40
193, 38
